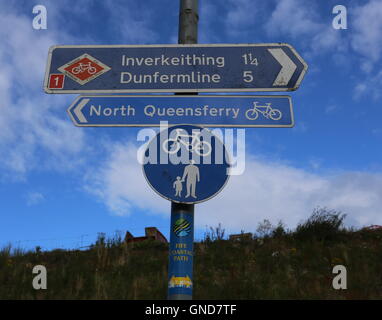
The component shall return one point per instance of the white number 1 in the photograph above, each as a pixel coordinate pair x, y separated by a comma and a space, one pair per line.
248, 59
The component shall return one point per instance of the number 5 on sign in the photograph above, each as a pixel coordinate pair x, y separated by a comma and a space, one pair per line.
247, 76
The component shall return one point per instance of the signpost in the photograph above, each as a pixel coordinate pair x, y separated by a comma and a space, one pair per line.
192, 164
210, 111
186, 165
174, 68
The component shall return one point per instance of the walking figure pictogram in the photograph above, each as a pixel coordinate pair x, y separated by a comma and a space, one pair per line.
191, 173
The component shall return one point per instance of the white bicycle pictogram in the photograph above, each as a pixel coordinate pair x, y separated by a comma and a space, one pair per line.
202, 148
82, 67
267, 112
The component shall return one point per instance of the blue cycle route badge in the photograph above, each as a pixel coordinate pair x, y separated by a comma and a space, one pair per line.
182, 227
186, 164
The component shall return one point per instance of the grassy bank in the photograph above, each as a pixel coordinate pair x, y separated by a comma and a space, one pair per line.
276, 264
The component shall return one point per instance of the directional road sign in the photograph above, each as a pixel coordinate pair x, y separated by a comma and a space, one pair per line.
174, 68
186, 164
210, 111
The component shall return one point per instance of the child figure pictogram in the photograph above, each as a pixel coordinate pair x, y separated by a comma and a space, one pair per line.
178, 187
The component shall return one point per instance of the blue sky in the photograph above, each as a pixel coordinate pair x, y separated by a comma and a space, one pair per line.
60, 185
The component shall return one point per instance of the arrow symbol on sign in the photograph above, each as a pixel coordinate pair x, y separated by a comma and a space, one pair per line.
78, 110
288, 67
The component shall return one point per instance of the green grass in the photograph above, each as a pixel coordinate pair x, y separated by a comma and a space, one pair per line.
278, 265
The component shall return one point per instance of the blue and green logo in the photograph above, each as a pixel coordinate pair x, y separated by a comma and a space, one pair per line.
182, 227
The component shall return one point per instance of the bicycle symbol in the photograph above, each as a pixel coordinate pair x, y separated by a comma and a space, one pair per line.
269, 112
82, 67
202, 148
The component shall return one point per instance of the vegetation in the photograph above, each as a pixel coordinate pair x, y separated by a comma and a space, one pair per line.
274, 264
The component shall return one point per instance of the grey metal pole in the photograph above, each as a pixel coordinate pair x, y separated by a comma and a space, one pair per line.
188, 34
188, 22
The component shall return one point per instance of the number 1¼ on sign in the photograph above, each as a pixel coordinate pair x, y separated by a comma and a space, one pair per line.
249, 59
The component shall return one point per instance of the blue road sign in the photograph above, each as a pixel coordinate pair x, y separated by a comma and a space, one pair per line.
210, 111
186, 164
174, 68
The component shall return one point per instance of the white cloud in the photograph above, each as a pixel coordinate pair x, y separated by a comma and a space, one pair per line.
295, 18
131, 21
299, 20
222, 21
366, 40
31, 120
315, 163
267, 190
370, 86
207, 12
241, 15
366, 30
35, 129
121, 185
34, 198
330, 108
301, 126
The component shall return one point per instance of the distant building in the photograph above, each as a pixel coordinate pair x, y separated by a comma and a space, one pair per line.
373, 227
150, 233
241, 236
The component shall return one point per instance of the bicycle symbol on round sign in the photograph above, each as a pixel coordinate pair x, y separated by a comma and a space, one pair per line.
201, 148
267, 111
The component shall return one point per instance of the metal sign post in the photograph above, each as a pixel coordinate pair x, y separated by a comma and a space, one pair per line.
188, 33
185, 164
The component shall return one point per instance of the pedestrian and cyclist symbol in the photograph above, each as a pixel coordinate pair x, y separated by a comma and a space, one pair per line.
186, 164
191, 176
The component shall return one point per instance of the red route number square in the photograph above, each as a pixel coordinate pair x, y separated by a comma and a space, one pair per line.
56, 81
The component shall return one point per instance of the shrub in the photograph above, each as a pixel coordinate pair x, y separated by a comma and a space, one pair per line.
214, 234
264, 229
322, 225
279, 231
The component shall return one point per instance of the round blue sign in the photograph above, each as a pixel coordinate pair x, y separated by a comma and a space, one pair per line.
186, 164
